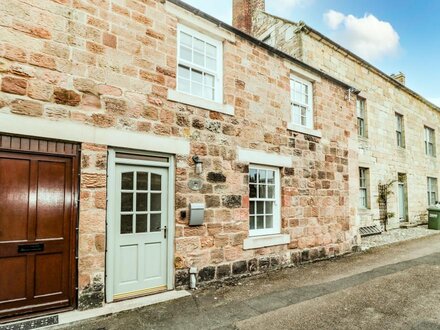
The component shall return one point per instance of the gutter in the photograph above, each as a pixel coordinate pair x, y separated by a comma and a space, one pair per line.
259, 43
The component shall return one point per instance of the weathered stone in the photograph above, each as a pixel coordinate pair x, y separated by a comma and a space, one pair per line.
264, 263
223, 271
67, 97
212, 201
14, 85
182, 278
92, 296
206, 274
28, 108
216, 177
239, 267
253, 265
115, 106
231, 201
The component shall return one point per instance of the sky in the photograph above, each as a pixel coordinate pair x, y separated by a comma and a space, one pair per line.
393, 35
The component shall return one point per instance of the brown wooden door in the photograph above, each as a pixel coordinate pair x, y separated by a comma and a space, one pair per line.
37, 232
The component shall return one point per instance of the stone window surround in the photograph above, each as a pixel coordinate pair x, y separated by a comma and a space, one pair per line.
216, 73
213, 31
268, 159
362, 116
308, 105
428, 141
365, 187
432, 189
276, 203
306, 76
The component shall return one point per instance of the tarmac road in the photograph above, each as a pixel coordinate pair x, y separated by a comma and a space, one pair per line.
391, 287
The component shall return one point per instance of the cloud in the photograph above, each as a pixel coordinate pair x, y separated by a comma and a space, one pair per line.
366, 36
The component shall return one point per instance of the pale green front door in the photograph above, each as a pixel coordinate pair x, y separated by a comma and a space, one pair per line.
140, 242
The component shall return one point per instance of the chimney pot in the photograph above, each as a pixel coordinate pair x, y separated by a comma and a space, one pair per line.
400, 77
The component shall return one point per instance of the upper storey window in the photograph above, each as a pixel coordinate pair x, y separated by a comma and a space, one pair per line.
199, 65
302, 102
361, 117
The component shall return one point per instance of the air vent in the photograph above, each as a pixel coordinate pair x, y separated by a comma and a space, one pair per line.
31, 324
369, 231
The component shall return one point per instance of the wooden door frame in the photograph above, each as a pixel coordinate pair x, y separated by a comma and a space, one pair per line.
55, 148
112, 162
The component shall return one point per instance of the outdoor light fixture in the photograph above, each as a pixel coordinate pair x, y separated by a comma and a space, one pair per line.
198, 163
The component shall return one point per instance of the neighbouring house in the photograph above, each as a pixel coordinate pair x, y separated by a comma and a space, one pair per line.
122, 122
397, 128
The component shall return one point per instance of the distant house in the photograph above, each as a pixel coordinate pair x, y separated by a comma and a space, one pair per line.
397, 128
120, 126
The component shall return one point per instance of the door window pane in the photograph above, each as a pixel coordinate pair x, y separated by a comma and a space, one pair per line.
156, 183
126, 202
155, 202
126, 224
155, 223
141, 202
141, 223
127, 181
142, 181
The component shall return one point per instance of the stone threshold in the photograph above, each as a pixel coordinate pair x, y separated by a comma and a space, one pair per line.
40, 322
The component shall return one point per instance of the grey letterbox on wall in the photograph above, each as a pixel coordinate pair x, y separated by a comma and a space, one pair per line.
196, 214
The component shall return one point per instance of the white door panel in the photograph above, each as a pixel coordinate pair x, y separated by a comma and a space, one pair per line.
140, 220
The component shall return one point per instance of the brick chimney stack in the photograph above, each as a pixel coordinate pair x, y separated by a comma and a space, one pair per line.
243, 11
400, 77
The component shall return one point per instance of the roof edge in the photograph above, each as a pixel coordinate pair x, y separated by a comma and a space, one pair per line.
302, 26
258, 42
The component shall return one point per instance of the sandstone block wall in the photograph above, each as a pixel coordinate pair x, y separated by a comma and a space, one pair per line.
110, 64
379, 152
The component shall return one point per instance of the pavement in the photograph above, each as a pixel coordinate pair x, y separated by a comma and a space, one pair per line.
396, 235
389, 287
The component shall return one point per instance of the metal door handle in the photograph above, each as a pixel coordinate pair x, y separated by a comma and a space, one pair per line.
164, 231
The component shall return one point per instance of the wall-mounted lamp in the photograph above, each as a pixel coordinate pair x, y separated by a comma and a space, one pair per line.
198, 163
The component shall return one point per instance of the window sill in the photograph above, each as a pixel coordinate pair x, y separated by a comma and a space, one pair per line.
363, 210
195, 101
256, 242
304, 130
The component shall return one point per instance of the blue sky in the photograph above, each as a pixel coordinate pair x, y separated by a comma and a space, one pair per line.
393, 35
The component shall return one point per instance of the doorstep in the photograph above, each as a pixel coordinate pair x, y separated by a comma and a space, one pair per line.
108, 309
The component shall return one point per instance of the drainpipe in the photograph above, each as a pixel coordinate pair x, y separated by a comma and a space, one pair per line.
193, 278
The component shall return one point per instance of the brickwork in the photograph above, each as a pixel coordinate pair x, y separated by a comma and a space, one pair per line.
384, 97
110, 64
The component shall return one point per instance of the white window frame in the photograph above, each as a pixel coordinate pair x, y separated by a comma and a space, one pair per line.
430, 141
361, 116
309, 107
363, 187
432, 189
276, 228
400, 131
218, 75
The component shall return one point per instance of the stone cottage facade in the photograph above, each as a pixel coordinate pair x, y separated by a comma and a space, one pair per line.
118, 118
397, 128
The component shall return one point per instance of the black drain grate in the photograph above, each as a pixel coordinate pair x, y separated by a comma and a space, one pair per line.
369, 231
31, 324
